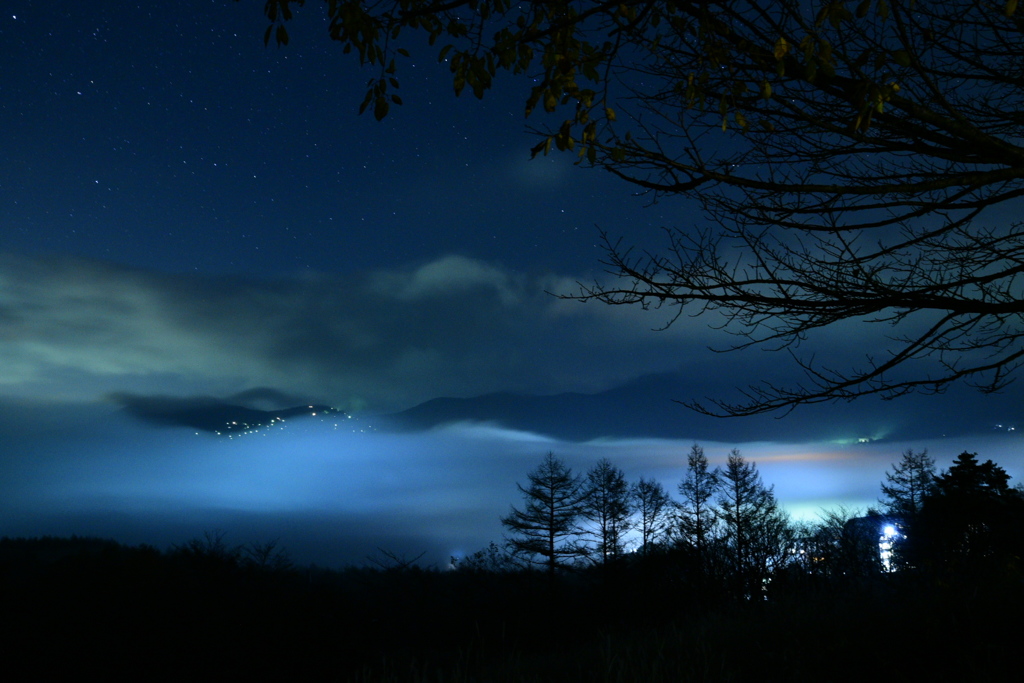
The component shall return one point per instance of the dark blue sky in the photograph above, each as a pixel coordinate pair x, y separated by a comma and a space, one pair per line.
186, 213
168, 137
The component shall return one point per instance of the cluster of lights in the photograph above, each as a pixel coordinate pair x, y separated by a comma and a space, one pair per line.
888, 539
234, 428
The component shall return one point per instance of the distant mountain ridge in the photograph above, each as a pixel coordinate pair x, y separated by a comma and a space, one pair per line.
211, 415
648, 407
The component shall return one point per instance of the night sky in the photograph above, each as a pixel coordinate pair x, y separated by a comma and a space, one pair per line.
189, 219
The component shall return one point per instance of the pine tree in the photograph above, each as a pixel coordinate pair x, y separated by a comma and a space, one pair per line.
547, 526
653, 506
608, 507
756, 530
697, 515
971, 520
968, 477
907, 485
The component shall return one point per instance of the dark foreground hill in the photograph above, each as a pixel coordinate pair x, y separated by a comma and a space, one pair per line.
205, 612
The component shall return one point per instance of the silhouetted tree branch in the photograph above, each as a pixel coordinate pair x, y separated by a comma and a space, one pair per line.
849, 161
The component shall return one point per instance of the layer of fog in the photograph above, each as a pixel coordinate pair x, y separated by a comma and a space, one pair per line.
339, 490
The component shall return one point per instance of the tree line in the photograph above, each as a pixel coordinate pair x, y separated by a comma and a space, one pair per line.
729, 532
960, 521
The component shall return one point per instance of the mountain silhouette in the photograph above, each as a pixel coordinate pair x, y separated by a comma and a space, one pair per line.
648, 407
211, 415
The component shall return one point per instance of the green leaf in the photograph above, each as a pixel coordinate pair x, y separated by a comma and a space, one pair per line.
550, 102
544, 146
1011, 7
781, 48
380, 108
901, 57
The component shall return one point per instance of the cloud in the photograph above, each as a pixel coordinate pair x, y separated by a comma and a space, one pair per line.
75, 329
446, 278
388, 339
